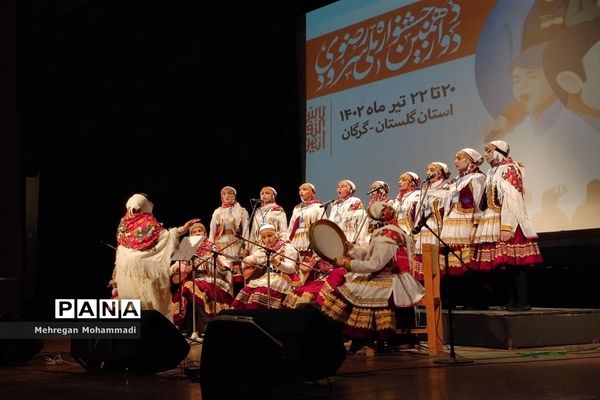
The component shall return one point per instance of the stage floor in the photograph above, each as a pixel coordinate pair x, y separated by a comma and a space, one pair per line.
564, 372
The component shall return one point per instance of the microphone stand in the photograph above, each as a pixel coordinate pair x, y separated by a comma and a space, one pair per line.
268, 253
214, 279
421, 211
187, 254
325, 206
194, 336
255, 206
452, 356
362, 224
215, 253
422, 195
231, 257
180, 290
279, 254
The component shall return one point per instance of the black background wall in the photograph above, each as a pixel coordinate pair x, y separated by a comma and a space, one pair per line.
173, 99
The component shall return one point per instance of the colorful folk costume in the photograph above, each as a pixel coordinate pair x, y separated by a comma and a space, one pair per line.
305, 213
462, 211
270, 289
211, 291
308, 292
144, 256
376, 283
350, 215
430, 207
267, 212
504, 212
379, 191
407, 200
228, 221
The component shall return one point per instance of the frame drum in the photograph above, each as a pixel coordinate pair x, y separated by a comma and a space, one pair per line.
327, 240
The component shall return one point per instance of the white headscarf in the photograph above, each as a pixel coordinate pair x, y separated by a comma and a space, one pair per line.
200, 224
139, 202
413, 175
264, 227
310, 185
501, 149
415, 178
272, 189
377, 210
352, 185
380, 185
230, 188
474, 154
443, 167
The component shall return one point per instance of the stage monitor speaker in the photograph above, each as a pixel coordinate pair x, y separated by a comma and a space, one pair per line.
17, 351
160, 347
268, 347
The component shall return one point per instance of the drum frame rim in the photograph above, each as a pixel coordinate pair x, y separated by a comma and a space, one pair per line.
336, 229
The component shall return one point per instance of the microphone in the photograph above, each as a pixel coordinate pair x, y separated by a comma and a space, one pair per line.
254, 200
327, 203
421, 224
429, 177
374, 190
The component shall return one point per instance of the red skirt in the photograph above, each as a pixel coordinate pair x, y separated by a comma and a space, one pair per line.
518, 251
258, 298
370, 323
308, 293
205, 296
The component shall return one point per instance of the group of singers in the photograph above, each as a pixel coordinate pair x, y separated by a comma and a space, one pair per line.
264, 260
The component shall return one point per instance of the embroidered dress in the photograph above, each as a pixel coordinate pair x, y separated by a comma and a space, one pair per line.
462, 213
271, 213
364, 303
303, 216
377, 196
351, 217
432, 203
504, 209
280, 280
226, 222
307, 293
405, 205
209, 298
143, 259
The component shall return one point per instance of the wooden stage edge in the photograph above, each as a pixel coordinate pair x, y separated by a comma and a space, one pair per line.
498, 328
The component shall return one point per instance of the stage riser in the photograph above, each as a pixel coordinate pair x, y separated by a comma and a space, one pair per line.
536, 328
